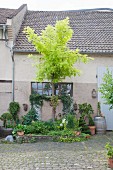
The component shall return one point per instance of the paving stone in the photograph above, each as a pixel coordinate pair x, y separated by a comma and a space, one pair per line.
88, 155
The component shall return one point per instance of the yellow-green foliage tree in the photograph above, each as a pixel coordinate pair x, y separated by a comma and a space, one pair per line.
57, 59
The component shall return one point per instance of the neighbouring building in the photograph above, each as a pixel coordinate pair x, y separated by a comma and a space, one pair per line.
93, 35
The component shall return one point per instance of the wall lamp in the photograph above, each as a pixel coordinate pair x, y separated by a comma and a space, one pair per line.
94, 93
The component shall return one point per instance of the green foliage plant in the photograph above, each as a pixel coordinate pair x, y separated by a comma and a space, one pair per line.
109, 150
106, 88
83, 125
71, 139
5, 117
72, 122
65, 132
85, 109
57, 60
19, 128
67, 102
29, 117
91, 122
40, 127
98, 109
54, 103
13, 109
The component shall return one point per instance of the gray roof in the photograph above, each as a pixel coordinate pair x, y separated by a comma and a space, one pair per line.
9, 13
4, 14
93, 29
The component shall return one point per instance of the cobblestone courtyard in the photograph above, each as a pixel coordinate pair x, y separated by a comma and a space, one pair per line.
86, 155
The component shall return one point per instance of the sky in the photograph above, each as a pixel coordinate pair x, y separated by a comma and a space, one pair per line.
57, 5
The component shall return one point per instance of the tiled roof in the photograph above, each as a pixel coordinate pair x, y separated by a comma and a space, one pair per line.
17, 11
93, 30
4, 14
9, 13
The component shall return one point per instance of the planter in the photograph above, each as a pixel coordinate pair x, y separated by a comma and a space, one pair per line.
20, 133
110, 162
92, 130
5, 131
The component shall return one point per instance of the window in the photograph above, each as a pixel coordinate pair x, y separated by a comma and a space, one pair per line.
46, 88
3, 32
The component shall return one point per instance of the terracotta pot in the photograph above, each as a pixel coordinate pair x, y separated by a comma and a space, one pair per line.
92, 130
77, 133
20, 133
88, 136
110, 162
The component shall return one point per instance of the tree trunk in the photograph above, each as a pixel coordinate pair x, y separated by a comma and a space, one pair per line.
53, 109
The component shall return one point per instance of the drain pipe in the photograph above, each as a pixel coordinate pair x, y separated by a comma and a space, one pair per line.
12, 57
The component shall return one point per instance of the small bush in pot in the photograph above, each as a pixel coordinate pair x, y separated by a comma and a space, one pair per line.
5, 117
19, 128
92, 125
109, 154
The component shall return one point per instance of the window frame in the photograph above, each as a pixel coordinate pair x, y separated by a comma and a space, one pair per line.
60, 83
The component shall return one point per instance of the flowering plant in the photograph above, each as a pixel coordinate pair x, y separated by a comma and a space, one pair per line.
64, 123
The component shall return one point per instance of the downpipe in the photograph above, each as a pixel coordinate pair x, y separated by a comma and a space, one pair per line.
12, 57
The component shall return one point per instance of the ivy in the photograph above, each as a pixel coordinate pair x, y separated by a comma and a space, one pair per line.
37, 100
67, 103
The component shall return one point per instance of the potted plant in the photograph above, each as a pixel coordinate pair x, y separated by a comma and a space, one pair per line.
86, 111
92, 125
109, 154
19, 130
7, 119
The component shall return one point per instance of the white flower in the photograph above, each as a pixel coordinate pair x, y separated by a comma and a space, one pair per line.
61, 124
63, 120
66, 122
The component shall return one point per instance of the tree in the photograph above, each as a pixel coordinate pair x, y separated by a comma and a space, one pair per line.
106, 88
57, 59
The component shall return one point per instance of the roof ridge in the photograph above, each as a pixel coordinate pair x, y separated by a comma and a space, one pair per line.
17, 11
7, 9
78, 10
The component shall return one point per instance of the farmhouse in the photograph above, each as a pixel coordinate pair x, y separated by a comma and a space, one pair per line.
93, 35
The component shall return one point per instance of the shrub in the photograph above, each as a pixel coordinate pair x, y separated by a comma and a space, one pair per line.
109, 148
29, 117
62, 133
39, 127
71, 139
72, 122
5, 117
30, 129
50, 125
13, 109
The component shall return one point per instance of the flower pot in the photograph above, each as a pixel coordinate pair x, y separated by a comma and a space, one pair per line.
92, 130
5, 131
110, 162
77, 133
88, 136
20, 133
